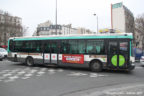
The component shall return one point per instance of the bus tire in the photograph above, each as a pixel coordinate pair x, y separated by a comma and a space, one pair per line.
96, 66
29, 61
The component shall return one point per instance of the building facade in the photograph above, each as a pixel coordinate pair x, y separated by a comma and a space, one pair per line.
48, 28
84, 31
122, 18
10, 26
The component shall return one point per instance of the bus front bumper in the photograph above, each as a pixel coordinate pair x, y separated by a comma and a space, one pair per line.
132, 66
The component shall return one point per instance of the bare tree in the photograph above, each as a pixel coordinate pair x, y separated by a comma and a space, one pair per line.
10, 26
139, 27
139, 24
24, 30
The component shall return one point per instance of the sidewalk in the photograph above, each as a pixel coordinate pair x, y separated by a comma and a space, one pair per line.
124, 90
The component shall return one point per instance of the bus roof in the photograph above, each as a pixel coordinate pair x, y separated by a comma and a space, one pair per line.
82, 36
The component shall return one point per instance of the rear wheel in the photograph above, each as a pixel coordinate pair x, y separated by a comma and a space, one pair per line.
30, 61
96, 66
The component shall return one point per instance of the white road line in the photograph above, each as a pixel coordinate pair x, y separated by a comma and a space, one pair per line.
51, 70
40, 73
77, 74
33, 71
93, 75
21, 72
5, 75
14, 77
28, 75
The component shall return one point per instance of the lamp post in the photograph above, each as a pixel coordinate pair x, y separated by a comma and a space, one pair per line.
97, 21
56, 18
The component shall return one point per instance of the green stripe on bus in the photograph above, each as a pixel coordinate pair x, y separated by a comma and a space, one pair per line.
79, 37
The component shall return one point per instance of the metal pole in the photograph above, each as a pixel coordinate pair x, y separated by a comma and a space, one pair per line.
56, 18
97, 22
97, 25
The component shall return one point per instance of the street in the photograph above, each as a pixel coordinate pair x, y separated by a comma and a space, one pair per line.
19, 80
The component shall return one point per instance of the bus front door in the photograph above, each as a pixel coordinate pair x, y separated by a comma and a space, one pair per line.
118, 54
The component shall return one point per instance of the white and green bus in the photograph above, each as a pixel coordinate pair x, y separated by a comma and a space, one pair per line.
97, 51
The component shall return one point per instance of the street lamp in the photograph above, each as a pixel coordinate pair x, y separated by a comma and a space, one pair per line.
97, 21
56, 17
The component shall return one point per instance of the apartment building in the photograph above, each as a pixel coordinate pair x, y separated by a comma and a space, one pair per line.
122, 18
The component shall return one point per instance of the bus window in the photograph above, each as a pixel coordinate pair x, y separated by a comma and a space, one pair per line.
47, 47
124, 46
95, 47
73, 47
81, 46
64, 49
113, 47
54, 48
18, 46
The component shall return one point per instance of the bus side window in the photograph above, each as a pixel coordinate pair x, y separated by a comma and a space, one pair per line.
54, 48
64, 47
46, 48
81, 47
73, 45
95, 47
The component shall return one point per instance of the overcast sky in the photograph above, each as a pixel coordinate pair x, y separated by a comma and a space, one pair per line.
79, 13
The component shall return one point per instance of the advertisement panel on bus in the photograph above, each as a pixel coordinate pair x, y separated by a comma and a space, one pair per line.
73, 58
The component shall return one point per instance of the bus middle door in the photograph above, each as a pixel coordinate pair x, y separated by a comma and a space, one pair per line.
46, 52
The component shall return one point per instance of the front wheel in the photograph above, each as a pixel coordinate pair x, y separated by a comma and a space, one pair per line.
96, 66
30, 61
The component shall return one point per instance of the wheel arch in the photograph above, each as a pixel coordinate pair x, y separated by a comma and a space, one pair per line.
94, 60
30, 57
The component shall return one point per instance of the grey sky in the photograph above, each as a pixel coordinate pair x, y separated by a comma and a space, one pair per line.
77, 12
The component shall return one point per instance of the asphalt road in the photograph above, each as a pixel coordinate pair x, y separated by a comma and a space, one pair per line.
20, 80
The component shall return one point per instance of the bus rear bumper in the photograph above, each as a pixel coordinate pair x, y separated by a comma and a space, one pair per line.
11, 59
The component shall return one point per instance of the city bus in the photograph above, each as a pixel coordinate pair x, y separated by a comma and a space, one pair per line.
95, 51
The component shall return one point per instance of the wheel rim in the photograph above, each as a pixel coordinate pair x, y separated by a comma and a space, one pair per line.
96, 65
29, 61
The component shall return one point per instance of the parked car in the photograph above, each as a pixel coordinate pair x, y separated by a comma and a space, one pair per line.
3, 53
142, 60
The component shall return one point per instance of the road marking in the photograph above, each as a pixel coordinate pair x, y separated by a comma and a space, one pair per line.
14, 77
26, 73
93, 75
5, 75
77, 74
21, 72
